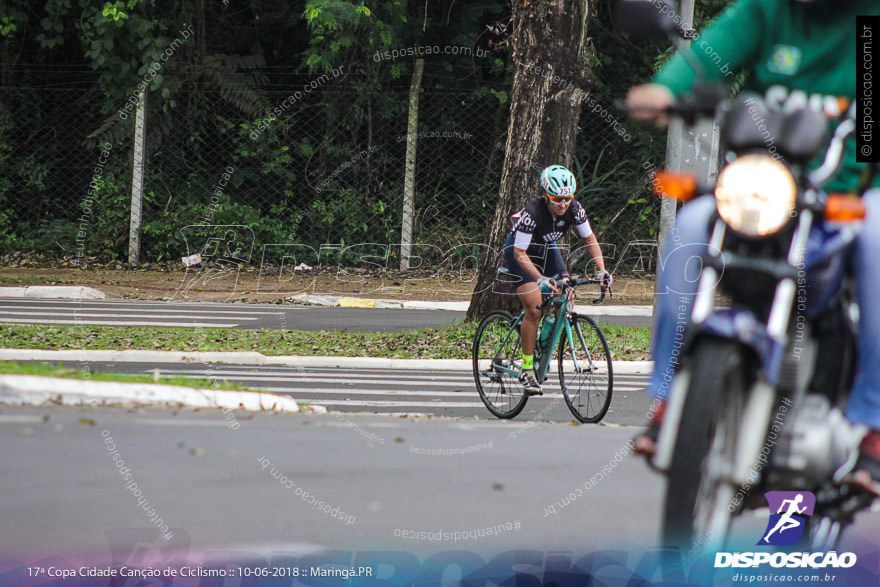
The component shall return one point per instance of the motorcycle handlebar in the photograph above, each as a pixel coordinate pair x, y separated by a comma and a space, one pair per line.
702, 102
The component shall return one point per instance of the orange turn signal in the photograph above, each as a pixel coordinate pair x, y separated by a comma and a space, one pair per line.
844, 208
678, 186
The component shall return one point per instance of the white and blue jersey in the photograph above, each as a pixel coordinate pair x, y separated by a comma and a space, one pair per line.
536, 231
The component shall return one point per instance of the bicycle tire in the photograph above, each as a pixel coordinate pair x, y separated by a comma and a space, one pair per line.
587, 388
496, 342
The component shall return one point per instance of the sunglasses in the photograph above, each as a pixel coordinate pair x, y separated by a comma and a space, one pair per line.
559, 199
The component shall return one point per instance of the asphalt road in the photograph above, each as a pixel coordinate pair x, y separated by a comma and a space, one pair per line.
273, 490
210, 482
245, 316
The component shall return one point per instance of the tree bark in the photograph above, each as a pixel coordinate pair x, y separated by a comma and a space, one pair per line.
551, 55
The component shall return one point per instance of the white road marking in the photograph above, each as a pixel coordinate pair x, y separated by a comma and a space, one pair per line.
391, 404
356, 392
133, 316
464, 384
293, 374
309, 380
4, 320
190, 311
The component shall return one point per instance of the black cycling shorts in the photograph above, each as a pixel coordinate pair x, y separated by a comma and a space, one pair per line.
547, 258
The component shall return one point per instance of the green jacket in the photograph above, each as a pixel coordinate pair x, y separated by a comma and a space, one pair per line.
792, 54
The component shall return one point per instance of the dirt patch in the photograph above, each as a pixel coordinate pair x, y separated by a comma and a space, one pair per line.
251, 285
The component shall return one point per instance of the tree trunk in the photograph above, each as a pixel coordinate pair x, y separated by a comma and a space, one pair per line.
551, 77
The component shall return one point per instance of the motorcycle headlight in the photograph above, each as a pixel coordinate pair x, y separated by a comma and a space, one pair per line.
755, 195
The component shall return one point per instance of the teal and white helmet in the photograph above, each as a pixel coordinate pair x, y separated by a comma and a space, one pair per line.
558, 181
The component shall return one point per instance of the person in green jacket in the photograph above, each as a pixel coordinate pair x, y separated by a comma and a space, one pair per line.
795, 53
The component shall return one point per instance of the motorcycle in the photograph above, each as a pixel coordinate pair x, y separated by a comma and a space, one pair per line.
756, 402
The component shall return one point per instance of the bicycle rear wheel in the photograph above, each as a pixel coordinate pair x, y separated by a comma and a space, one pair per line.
496, 348
585, 372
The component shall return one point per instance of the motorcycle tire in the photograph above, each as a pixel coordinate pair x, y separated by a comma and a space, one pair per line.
697, 510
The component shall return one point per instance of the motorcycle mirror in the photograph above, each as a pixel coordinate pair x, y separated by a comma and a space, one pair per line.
648, 20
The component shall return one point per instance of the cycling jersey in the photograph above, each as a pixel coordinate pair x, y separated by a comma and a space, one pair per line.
548, 261
534, 226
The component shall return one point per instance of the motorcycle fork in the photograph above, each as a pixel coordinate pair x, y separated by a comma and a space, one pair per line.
762, 395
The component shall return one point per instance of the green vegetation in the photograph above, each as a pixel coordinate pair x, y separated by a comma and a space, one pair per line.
60, 370
446, 342
282, 116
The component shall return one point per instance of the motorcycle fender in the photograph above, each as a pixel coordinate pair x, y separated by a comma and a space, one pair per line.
742, 326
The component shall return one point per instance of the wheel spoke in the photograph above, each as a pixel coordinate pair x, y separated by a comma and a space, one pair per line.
585, 371
496, 369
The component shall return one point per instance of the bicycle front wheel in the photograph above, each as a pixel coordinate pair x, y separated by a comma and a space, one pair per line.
496, 348
585, 372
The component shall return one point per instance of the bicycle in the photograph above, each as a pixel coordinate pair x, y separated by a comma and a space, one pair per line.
586, 375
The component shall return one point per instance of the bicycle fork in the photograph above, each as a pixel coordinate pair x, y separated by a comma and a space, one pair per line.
588, 367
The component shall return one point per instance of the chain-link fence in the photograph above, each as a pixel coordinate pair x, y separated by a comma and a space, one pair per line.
320, 180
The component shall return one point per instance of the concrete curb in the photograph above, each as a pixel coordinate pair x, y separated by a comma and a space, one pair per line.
36, 391
259, 359
347, 302
89, 293
380, 304
53, 291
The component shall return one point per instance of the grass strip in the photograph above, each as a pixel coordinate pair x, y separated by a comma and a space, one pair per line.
61, 370
445, 342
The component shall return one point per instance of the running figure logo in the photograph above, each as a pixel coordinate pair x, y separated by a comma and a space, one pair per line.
786, 526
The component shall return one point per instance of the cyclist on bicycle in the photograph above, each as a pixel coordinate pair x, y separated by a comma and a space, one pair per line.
533, 256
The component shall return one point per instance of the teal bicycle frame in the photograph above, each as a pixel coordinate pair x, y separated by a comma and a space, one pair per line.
563, 321
585, 383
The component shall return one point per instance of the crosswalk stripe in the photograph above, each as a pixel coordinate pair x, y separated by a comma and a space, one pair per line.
308, 380
357, 392
106, 315
5, 320
427, 384
415, 394
354, 383
295, 374
391, 404
71, 308
353, 392
354, 374
177, 306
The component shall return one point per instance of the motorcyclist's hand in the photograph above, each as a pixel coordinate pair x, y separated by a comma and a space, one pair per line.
648, 102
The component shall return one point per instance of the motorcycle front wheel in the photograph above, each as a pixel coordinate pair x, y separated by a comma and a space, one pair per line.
700, 499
